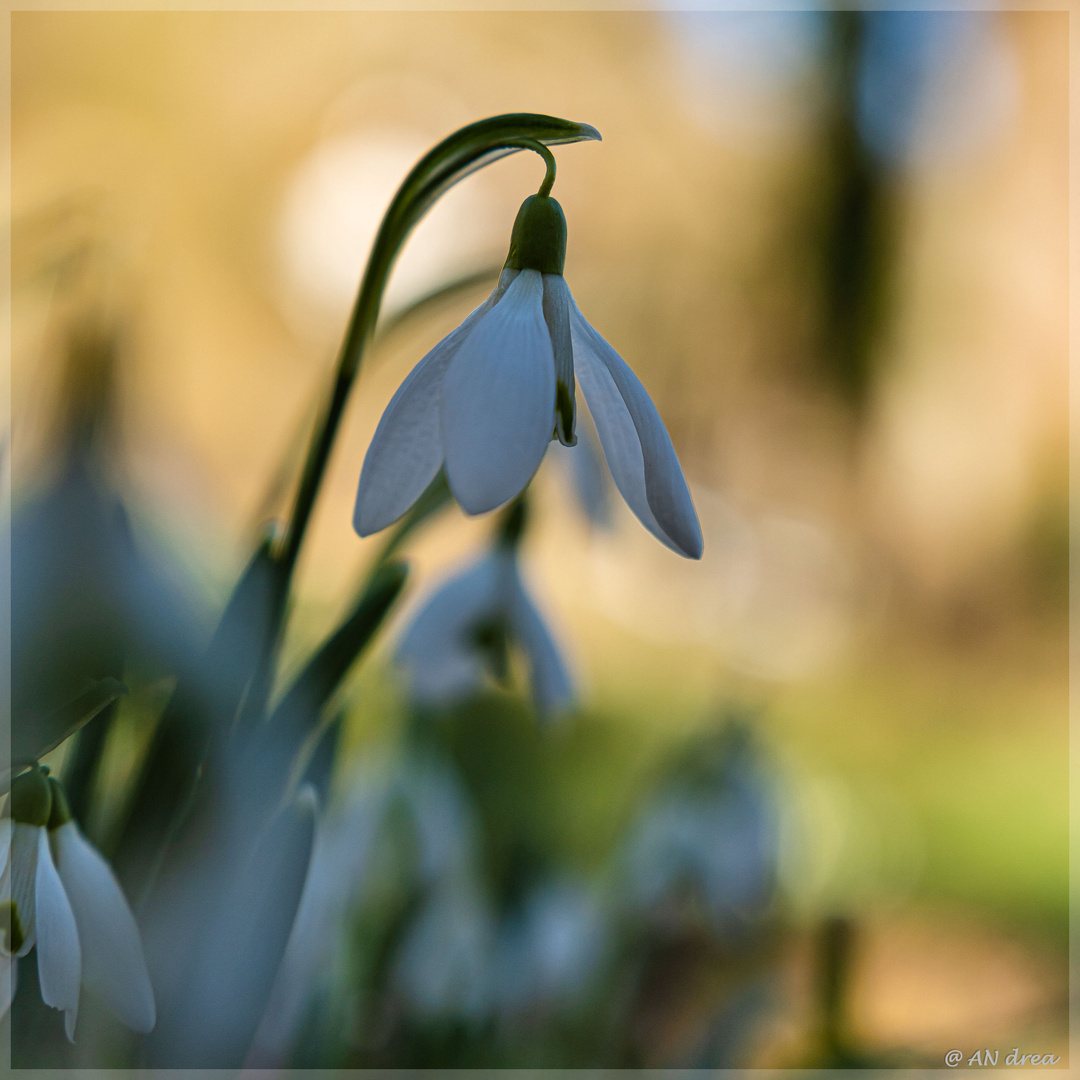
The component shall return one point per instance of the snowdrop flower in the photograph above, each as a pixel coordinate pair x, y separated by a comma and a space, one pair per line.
713, 827
36, 908
59, 893
549, 949
488, 399
444, 967
464, 632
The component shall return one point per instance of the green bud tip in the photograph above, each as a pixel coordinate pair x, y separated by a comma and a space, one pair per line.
538, 240
31, 798
61, 811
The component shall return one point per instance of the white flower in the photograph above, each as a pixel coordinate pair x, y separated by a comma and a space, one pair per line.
37, 912
463, 630
444, 967
72, 909
714, 829
550, 947
486, 400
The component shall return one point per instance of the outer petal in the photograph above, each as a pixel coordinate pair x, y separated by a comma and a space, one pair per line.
406, 451
19, 880
636, 444
112, 955
441, 662
552, 687
59, 956
498, 402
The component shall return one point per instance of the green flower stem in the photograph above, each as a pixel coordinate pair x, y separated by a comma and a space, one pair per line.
549, 161
459, 155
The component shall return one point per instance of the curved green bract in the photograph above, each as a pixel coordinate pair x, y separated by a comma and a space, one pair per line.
450, 161
456, 157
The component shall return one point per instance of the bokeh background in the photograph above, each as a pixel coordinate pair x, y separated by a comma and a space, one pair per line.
834, 248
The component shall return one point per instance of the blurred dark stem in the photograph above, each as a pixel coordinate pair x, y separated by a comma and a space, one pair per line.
835, 948
295, 720
513, 522
203, 706
856, 233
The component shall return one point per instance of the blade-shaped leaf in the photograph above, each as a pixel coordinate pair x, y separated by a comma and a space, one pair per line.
203, 708
298, 713
34, 738
235, 945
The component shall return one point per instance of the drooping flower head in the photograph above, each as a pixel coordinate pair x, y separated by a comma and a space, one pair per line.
57, 893
464, 632
36, 908
489, 398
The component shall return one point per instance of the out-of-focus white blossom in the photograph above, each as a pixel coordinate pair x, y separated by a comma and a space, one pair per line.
459, 636
444, 968
57, 893
550, 948
715, 833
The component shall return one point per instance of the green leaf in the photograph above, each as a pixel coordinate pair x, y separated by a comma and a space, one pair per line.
300, 708
33, 737
234, 940
203, 708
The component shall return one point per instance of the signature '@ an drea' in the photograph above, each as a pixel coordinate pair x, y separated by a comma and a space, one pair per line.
990, 1057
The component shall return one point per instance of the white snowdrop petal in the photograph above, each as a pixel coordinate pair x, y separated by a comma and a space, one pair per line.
552, 687
635, 442
406, 450
440, 660
57, 939
618, 437
19, 880
112, 954
5, 841
498, 400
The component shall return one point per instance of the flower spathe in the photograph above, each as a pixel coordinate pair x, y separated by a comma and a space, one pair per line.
59, 895
487, 400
